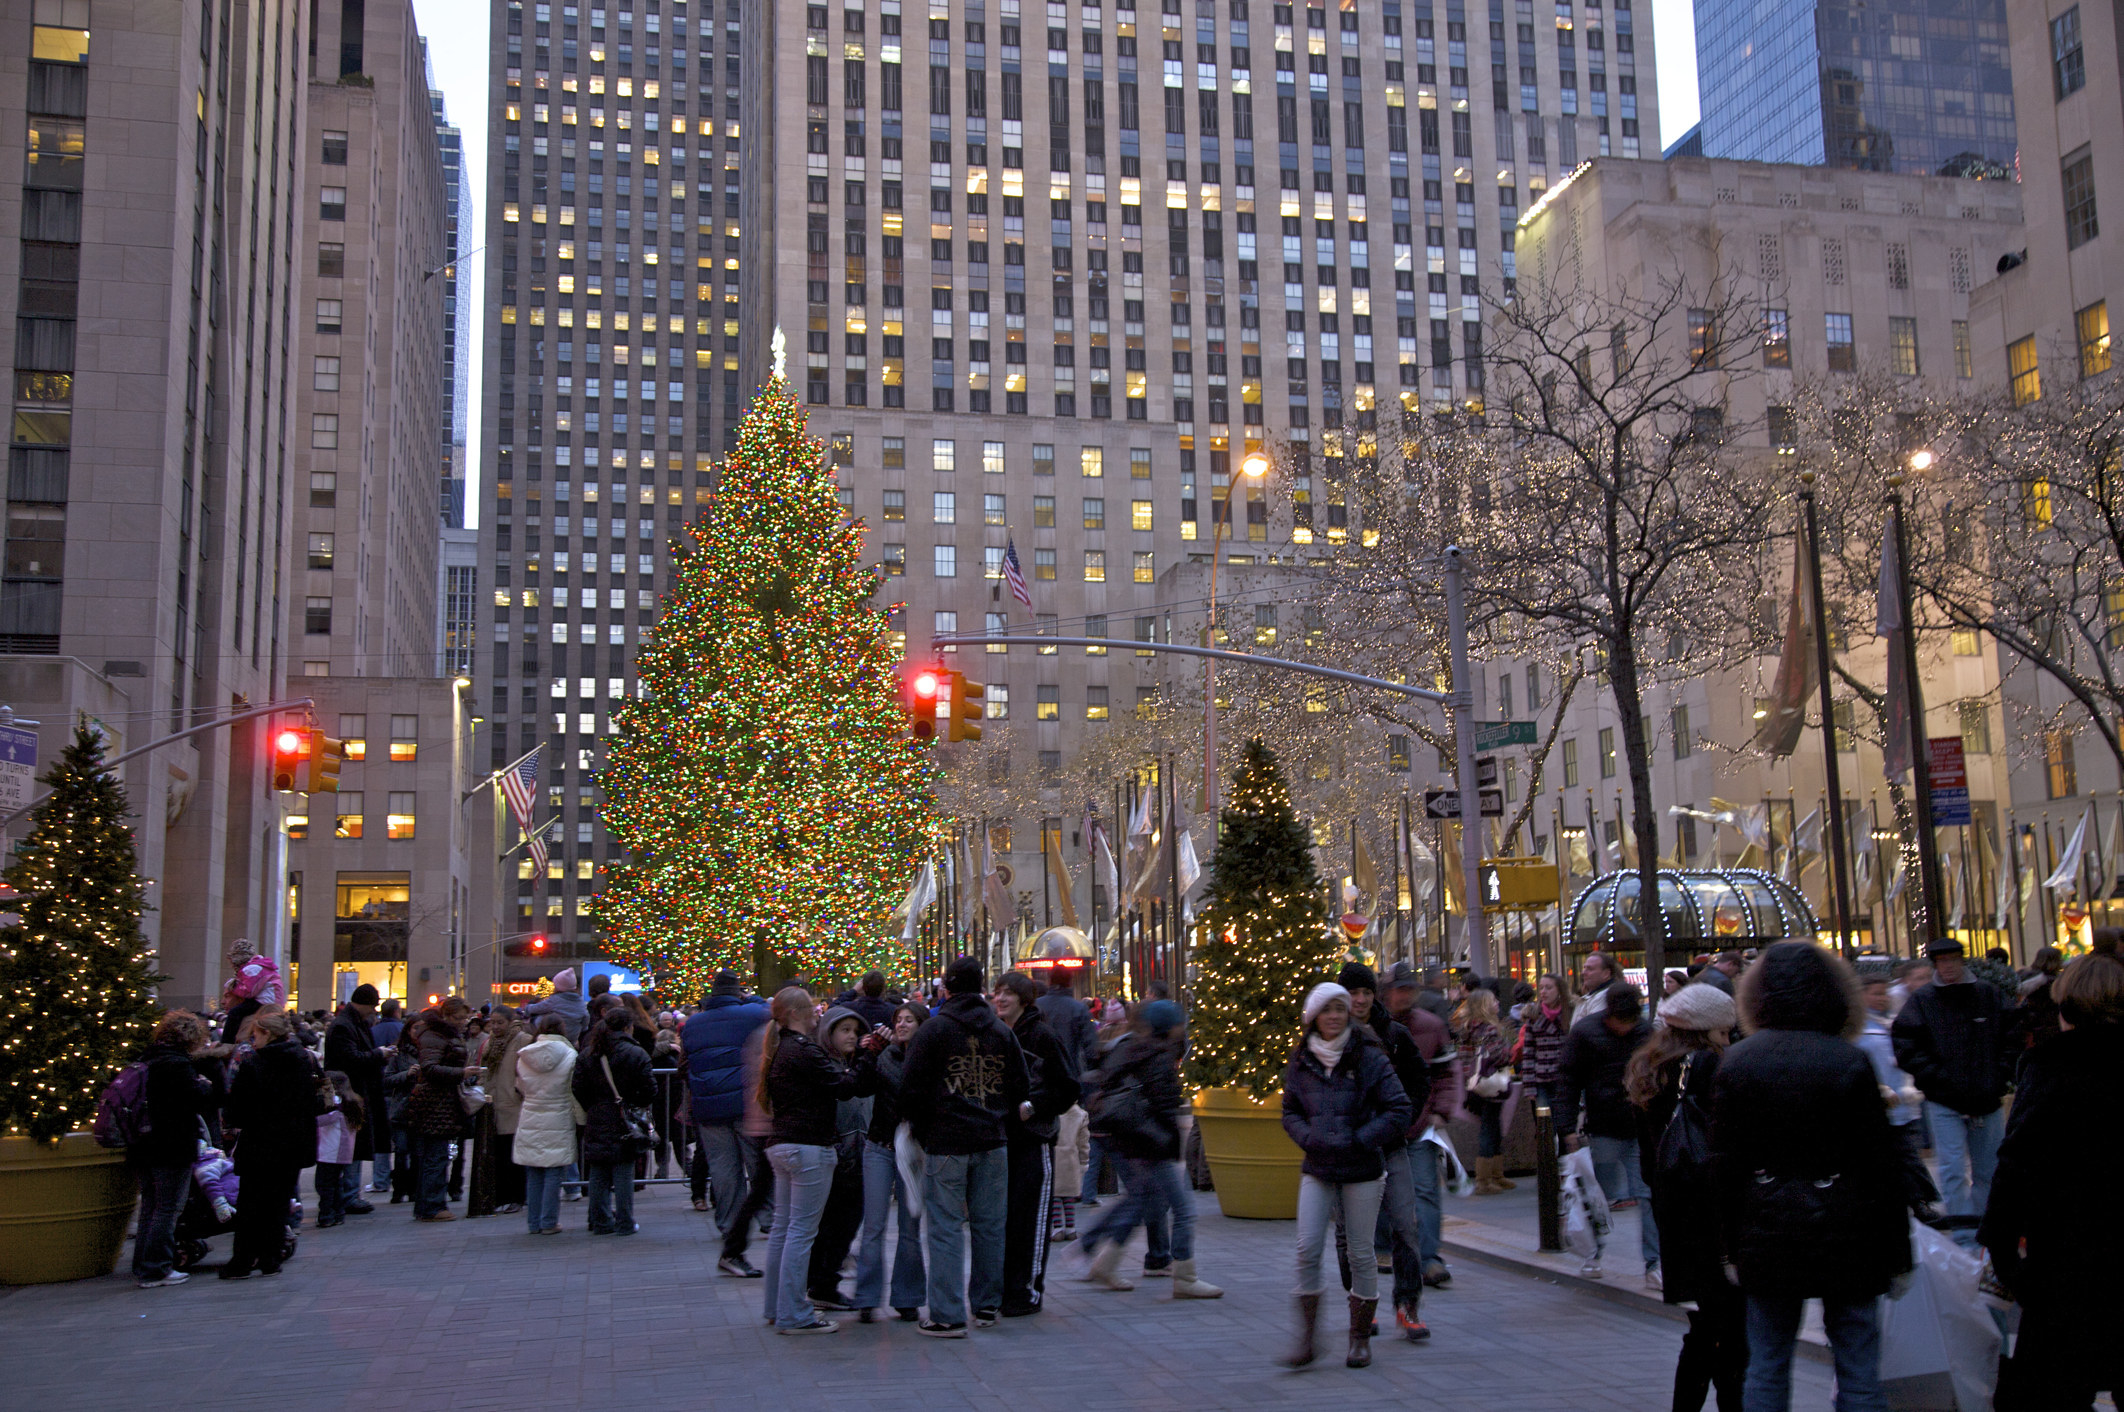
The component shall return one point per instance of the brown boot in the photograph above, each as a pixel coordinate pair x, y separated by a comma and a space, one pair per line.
1361, 1311
1485, 1179
1302, 1352
1504, 1183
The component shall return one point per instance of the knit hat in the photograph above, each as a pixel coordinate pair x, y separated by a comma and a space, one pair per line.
962, 977
1355, 975
364, 994
565, 980
1318, 998
1700, 1007
1161, 1017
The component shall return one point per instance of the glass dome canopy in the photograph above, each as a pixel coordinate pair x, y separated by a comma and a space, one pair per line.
1719, 908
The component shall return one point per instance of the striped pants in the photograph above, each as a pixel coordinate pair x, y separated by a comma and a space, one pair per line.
1031, 1182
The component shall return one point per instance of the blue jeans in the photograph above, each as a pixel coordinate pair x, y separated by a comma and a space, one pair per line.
1854, 1331
1968, 1151
611, 1187
1094, 1164
969, 1191
803, 1175
1399, 1228
431, 1174
1615, 1164
163, 1191
542, 1186
884, 1192
726, 1155
380, 1165
1149, 1190
1430, 1215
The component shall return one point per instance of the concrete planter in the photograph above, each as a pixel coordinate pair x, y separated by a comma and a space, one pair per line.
63, 1209
1253, 1161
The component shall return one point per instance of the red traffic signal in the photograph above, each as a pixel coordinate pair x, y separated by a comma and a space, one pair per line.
291, 747
538, 943
922, 688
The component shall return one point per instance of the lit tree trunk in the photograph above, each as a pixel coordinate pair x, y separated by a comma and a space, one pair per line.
1644, 820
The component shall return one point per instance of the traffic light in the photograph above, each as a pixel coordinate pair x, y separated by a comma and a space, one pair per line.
291, 746
538, 946
922, 688
966, 704
326, 756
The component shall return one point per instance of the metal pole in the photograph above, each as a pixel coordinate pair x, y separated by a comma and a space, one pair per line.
1548, 1177
1462, 711
1175, 927
1209, 670
1839, 879
1933, 903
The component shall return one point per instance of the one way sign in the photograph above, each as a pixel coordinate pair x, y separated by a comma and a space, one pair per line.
1445, 803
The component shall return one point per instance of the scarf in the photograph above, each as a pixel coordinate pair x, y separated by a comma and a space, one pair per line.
1327, 1051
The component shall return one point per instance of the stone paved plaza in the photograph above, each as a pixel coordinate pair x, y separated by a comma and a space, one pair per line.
478, 1314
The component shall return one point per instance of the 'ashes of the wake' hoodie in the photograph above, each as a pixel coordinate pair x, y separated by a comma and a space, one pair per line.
964, 1075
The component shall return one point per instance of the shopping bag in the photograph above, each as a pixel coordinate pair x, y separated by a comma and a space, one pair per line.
1452, 1172
1939, 1343
1584, 1207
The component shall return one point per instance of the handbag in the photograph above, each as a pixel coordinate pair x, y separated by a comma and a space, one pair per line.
634, 1117
473, 1098
1491, 1084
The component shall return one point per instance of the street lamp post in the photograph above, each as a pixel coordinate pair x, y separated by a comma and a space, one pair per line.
1254, 467
1839, 860
1920, 744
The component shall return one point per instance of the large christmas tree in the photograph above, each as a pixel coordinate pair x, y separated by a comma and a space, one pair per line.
763, 782
75, 973
1268, 938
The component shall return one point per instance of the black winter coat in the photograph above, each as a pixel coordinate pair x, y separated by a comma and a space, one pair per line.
1345, 1120
1072, 1023
604, 1128
1811, 1199
1153, 1066
804, 1083
273, 1104
1056, 1079
350, 1047
964, 1073
1691, 1250
1952, 1040
178, 1096
878, 1079
440, 1057
1409, 1064
1590, 1075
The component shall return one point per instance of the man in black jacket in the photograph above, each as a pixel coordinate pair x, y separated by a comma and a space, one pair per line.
1590, 1079
1071, 1022
1397, 1235
350, 1047
965, 1075
1950, 1037
1030, 1144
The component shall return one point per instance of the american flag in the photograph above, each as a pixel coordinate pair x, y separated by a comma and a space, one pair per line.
519, 785
1014, 573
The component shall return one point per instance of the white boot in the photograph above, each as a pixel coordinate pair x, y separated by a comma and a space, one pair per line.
1105, 1268
1186, 1286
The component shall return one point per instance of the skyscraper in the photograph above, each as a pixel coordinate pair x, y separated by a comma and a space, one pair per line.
457, 309
1921, 86
610, 339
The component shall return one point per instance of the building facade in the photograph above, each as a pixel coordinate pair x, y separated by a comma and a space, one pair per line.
457, 309
148, 268
610, 346
1923, 87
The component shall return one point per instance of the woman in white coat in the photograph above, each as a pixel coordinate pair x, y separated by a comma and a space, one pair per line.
545, 1128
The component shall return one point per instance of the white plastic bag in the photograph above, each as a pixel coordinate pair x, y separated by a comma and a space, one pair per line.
1585, 1207
1452, 1172
1939, 1343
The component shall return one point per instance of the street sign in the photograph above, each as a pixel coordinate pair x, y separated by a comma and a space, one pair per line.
1513, 883
18, 767
1486, 769
1950, 782
1495, 735
1445, 803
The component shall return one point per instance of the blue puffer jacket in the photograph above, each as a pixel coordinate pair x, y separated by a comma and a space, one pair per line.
714, 1042
1343, 1120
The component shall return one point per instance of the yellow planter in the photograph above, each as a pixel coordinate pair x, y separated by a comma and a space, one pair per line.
1252, 1160
63, 1209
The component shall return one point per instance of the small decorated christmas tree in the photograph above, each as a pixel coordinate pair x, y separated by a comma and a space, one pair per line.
76, 976
1268, 941
763, 782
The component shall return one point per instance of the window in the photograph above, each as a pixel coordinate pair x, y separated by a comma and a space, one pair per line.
992, 561
353, 737
893, 559
2064, 777
328, 315
1095, 566
1844, 719
1095, 626
324, 431
1533, 687
1678, 724
331, 260
1095, 703
2080, 223
324, 489
946, 561
324, 374
405, 737
997, 701
317, 615
1841, 358
1139, 463
1043, 512
1043, 564
320, 551
1964, 366
1902, 346
2068, 64
2035, 503
1043, 459
1968, 642
1607, 752
1504, 695
1139, 514
992, 458
1049, 705
1702, 335
1264, 625
398, 814
1777, 339
2113, 612
1976, 728
1783, 425
993, 511
944, 507
1093, 461
1094, 512
1570, 764
943, 455
335, 148
2022, 374
895, 504
331, 203
346, 822
892, 453
1146, 566
2093, 325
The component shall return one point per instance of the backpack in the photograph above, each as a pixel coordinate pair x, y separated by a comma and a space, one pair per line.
122, 1110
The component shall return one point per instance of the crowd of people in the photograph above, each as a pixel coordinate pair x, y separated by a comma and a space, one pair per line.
1769, 1123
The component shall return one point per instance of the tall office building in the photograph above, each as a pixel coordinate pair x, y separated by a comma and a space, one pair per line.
1923, 87
457, 306
610, 344
377, 880
148, 267
1127, 266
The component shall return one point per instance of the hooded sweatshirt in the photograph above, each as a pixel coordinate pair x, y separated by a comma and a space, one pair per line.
964, 1074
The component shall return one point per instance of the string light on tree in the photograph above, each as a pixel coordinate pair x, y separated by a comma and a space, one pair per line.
762, 782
